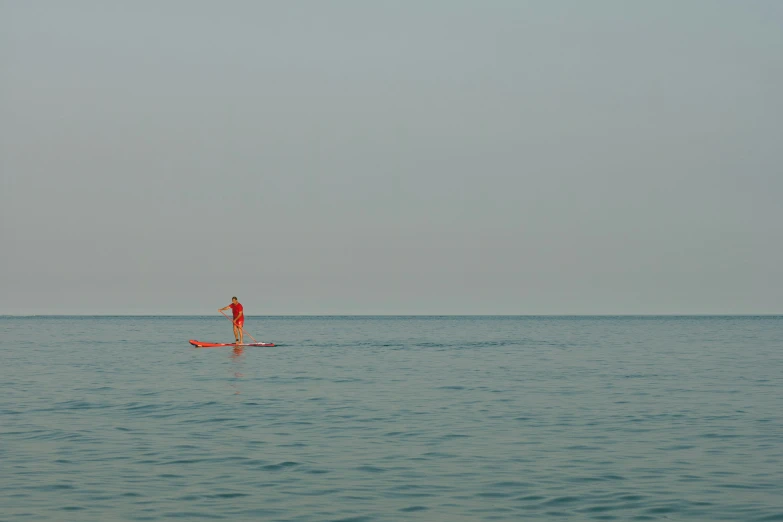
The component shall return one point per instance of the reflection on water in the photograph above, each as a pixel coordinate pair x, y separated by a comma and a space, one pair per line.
237, 357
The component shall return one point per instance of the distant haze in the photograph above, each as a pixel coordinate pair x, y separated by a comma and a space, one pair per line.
411, 157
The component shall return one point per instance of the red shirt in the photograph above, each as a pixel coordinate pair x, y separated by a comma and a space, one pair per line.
236, 308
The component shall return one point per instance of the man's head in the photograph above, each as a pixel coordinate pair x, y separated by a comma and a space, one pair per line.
234, 299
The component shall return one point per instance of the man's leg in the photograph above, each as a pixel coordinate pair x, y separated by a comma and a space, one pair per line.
241, 332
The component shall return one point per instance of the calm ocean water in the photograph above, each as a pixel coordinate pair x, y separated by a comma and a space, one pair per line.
392, 419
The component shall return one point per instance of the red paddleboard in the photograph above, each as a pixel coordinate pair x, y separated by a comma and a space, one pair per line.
199, 344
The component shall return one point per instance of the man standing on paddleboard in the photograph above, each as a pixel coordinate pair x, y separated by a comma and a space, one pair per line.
239, 318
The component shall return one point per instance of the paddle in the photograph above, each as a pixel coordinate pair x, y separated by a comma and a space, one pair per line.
232, 322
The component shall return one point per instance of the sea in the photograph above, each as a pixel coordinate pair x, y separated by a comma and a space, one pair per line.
360, 419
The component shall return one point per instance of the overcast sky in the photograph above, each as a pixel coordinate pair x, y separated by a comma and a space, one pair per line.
391, 157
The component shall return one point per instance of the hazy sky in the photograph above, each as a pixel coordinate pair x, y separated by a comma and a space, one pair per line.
391, 157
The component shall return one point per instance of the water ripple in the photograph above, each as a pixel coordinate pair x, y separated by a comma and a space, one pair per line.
393, 419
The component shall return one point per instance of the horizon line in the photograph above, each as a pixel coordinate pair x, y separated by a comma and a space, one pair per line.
771, 314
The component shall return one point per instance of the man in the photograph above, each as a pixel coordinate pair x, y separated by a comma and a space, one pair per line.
239, 319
